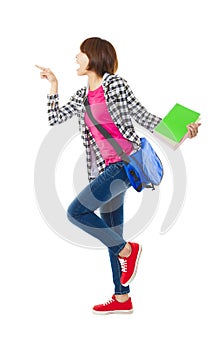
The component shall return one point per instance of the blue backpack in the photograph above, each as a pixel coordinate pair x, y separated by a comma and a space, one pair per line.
144, 168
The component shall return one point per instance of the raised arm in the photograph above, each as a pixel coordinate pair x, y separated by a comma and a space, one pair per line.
56, 114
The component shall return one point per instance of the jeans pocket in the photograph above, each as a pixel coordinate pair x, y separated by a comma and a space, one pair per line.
124, 177
119, 165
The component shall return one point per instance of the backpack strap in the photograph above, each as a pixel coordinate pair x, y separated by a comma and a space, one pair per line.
106, 134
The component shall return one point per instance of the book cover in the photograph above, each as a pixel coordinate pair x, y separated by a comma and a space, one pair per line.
173, 127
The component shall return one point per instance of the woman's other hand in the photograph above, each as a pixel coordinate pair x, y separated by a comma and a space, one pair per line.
192, 129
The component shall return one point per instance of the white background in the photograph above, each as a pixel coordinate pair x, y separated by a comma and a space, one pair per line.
169, 52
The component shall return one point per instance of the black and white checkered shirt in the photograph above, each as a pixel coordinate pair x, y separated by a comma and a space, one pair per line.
122, 106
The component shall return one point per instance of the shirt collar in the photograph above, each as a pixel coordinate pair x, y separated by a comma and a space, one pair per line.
104, 83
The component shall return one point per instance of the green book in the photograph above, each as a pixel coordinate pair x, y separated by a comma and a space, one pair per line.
173, 127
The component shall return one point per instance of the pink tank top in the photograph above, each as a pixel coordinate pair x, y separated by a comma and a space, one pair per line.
101, 114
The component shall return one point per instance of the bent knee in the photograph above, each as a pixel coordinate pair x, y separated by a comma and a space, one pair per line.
72, 211
75, 210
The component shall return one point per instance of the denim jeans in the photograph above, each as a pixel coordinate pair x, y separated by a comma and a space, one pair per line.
105, 193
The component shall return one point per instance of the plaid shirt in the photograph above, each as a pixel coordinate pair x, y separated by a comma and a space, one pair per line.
122, 106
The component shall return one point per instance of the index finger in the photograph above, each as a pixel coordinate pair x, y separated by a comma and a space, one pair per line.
42, 68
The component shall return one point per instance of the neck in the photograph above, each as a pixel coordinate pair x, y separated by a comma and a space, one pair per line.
94, 81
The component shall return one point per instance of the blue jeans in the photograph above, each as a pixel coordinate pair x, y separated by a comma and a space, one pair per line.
105, 193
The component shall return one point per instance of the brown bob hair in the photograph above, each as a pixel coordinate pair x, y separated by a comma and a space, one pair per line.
101, 54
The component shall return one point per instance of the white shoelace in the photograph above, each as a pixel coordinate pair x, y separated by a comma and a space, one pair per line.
123, 263
109, 302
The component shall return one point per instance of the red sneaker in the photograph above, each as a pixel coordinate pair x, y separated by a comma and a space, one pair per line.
113, 306
129, 265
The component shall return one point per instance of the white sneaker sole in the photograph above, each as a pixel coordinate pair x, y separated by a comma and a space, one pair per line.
112, 312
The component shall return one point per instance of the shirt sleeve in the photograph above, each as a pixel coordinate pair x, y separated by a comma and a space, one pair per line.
56, 114
138, 112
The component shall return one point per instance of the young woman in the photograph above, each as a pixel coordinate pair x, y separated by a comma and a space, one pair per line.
113, 104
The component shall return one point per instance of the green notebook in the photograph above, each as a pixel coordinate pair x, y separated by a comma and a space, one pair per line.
173, 127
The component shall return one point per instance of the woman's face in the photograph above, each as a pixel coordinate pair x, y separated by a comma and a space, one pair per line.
83, 61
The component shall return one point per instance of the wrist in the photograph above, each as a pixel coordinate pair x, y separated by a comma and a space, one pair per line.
54, 87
